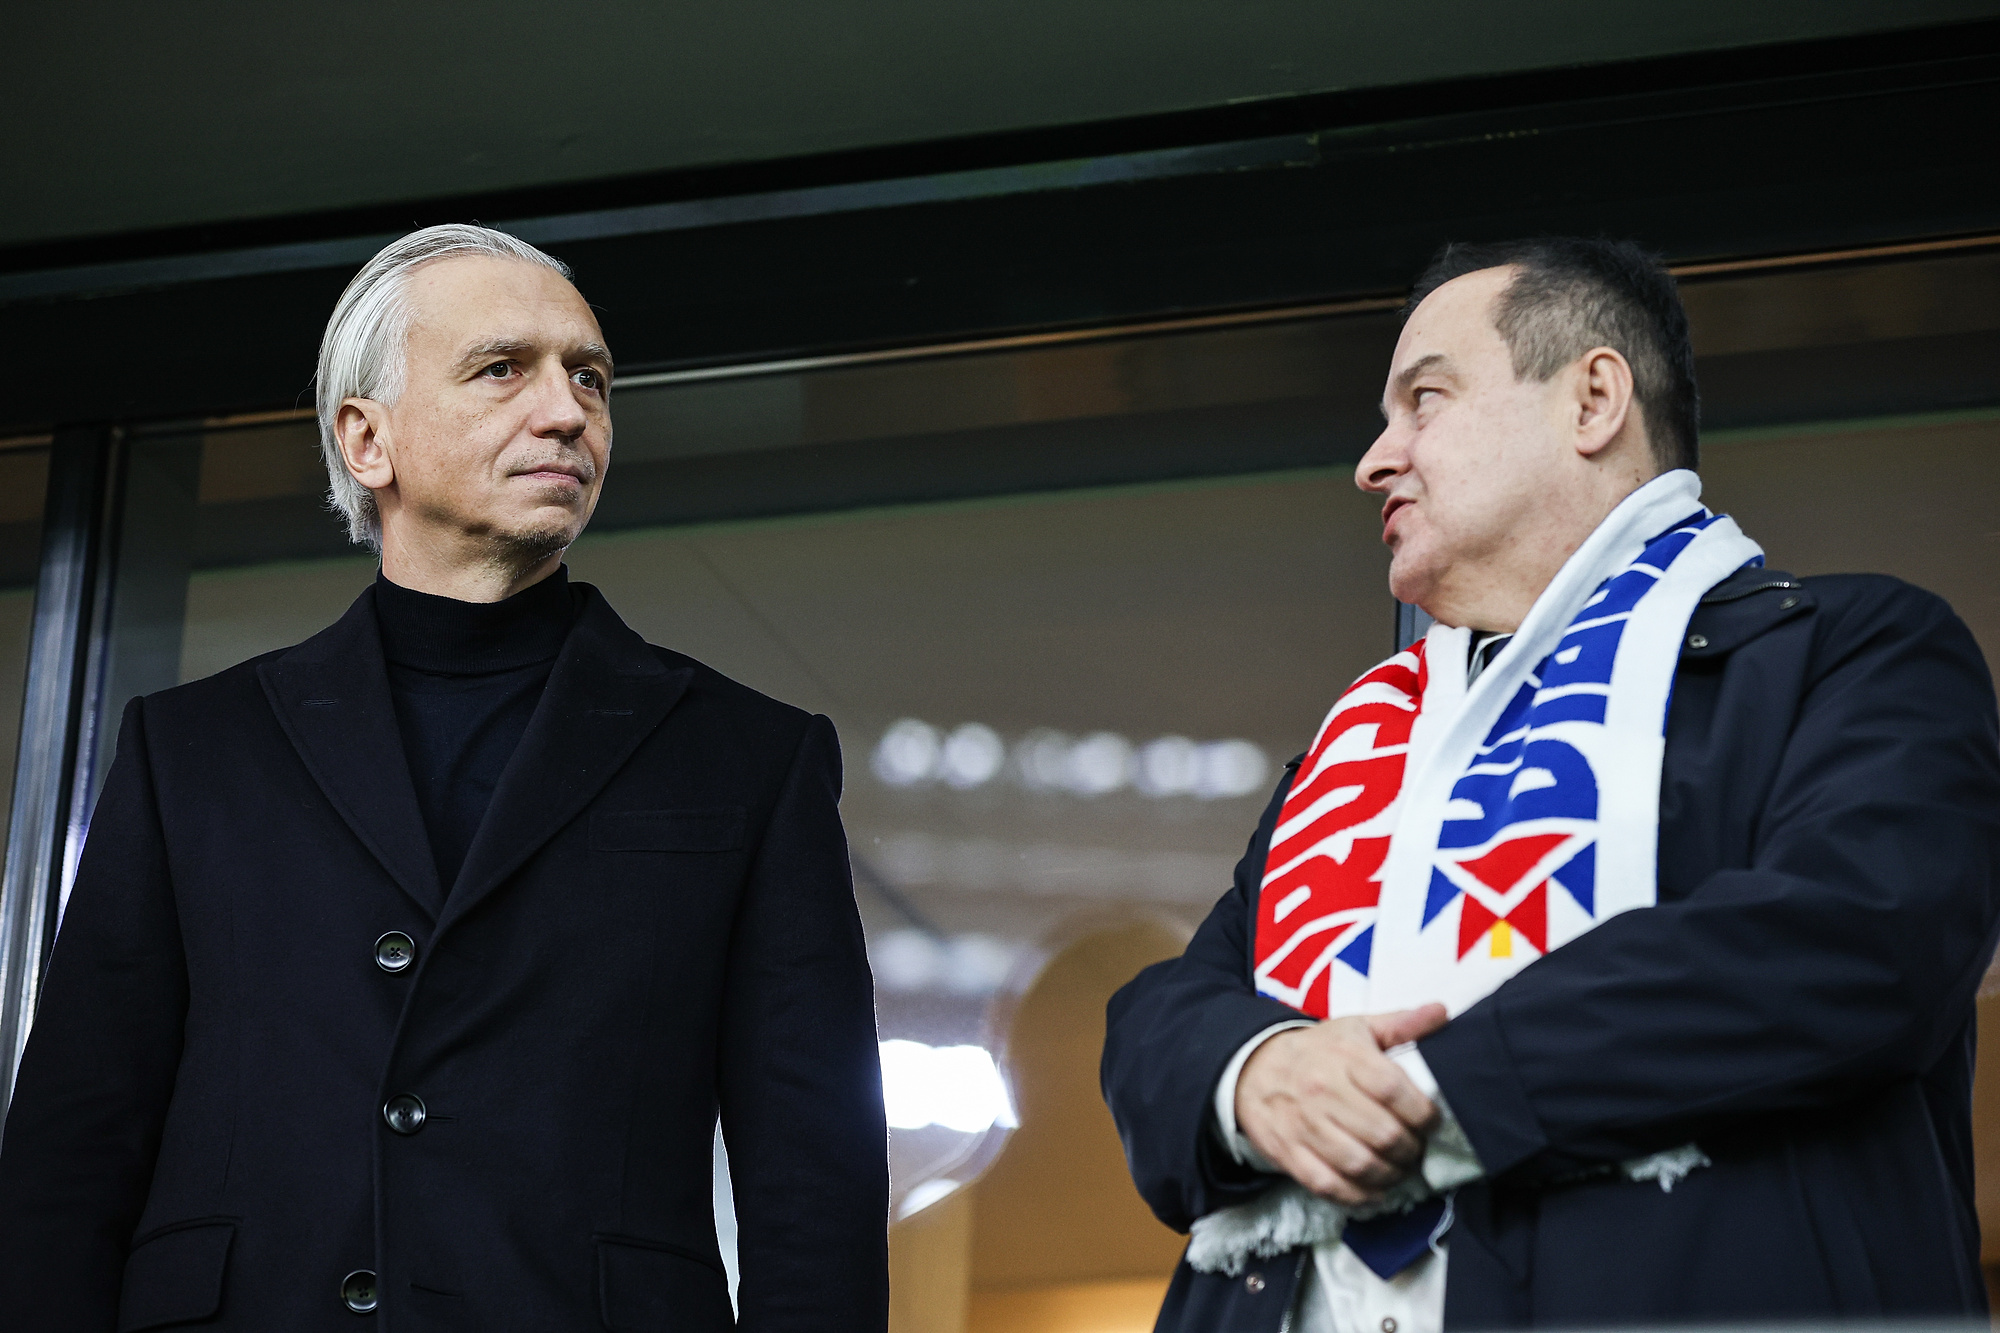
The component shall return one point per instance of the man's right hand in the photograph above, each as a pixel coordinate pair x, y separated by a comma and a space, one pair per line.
1326, 1107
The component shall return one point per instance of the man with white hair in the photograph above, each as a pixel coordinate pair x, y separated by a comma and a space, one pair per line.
1609, 957
408, 970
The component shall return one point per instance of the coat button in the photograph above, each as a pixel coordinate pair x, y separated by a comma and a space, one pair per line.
1697, 641
395, 951
404, 1112
357, 1289
1788, 603
1254, 1283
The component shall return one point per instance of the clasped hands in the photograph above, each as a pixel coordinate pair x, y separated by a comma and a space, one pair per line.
1324, 1104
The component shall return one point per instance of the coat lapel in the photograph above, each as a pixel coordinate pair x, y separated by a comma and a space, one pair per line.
607, 693
331, 695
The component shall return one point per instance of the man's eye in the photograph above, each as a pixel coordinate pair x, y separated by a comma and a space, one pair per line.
499, 370
589, 379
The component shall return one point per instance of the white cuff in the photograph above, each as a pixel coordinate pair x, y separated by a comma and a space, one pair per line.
1240, 1147
1449, 1160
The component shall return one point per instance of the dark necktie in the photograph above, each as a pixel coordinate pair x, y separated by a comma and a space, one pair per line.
1392, 1242
1483, 653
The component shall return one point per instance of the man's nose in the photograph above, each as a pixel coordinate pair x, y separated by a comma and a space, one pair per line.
556, 412
1383, 462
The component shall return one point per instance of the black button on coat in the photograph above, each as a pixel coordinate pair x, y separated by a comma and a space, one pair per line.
1799, 1003
655, 920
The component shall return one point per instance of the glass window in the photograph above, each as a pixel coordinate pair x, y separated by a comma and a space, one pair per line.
24, 480
1071, 609
1072, 606
223, 551
1915, 498
26, 928
1062, 715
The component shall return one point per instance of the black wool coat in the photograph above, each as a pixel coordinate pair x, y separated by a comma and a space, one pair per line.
1799, 1003
655, 922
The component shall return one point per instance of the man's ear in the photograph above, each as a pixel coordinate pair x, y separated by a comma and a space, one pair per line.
361, 428
1602, 403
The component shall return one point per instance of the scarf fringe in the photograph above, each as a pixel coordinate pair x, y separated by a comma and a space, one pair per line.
1669, 1168
1289, 1215
1283, 1218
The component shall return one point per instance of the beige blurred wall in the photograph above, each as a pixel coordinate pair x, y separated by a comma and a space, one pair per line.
1920, 500
1053, 1239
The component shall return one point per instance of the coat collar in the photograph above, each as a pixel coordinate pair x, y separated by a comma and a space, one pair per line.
607, 692
1741, 607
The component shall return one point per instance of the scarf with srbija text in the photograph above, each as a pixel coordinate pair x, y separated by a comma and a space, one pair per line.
1439, 837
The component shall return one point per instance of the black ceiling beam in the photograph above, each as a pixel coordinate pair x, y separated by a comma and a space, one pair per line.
1310, 113
1809, 155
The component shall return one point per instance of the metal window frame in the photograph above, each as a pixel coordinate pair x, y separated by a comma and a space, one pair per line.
1412, 623
57, 714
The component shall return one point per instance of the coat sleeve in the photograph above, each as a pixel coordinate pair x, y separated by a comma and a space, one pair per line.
800, 1077
1170, 1032
1843, 957
82, 1134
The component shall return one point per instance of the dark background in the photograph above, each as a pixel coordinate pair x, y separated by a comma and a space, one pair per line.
189, 190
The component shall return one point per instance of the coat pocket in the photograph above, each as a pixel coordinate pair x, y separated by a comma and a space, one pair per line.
174, 1276
648, 1288
719, 829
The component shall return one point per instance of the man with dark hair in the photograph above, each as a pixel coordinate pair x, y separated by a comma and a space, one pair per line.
1570, 295
1609, 956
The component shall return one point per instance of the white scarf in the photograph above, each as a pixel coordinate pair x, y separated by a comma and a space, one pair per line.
1439, 838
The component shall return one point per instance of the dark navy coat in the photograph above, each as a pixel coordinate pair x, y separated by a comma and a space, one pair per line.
1799, 1003
654, 921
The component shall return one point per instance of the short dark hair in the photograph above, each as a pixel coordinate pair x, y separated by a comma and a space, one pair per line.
1571, 294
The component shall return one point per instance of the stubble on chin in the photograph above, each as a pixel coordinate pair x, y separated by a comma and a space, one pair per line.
551, 524
535, 542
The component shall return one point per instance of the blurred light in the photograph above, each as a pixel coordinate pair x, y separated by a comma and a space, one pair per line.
977, 964
907, 754
1045, 760
1100, 763
905, 960
1169, 766
972, 755
957, 1087
912, 960
1230, 768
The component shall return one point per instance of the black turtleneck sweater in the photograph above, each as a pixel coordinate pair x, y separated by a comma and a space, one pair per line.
465, 678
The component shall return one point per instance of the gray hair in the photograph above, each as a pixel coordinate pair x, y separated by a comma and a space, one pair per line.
364, 352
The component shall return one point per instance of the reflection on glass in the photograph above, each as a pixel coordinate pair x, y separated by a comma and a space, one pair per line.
1058, 707
1055, 710
24, 479
954, 1087
912, 752
1063, 700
